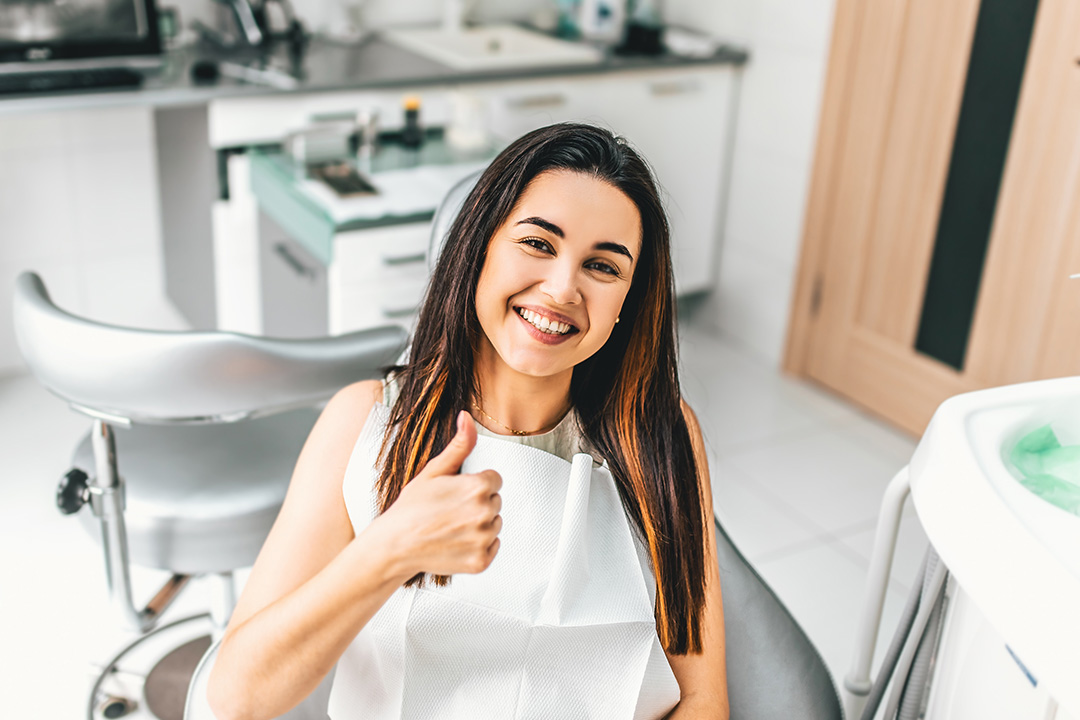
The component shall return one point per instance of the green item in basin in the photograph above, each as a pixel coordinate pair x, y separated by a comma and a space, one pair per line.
1049, 470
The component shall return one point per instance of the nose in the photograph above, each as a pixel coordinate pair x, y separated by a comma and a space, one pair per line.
561, 283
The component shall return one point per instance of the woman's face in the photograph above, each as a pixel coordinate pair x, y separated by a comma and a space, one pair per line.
557, 272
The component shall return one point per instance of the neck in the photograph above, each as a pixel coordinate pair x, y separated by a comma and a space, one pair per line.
523, 402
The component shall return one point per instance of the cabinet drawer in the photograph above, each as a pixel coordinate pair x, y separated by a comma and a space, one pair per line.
384, 252
385, 302
519, 107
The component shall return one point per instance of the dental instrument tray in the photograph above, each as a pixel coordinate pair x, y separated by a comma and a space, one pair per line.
342, 178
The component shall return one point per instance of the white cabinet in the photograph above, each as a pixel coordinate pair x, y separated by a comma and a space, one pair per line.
515, 108
680, 121
378, 276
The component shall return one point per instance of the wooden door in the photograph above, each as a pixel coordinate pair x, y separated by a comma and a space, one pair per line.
882, 197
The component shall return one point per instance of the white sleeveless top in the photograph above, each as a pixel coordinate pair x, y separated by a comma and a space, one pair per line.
561, 624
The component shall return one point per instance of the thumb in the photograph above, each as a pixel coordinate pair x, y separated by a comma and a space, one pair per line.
448, 462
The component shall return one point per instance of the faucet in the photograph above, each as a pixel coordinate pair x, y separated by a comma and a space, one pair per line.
245, 18
453, 16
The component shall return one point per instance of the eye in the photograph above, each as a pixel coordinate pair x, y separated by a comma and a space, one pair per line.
538, 244
604, 267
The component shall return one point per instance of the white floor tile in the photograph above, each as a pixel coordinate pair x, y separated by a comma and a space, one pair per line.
739, 402
824, 475
823, 590
911, 544
759, 526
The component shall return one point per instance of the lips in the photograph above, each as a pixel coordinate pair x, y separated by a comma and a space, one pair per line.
551, 315
541, 336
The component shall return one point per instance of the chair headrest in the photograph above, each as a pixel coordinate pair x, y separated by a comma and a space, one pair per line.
155, 376
447, 213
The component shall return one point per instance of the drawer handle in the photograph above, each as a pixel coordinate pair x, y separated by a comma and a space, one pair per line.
669, 88
537, 102
404, 259
293, 262
400, 312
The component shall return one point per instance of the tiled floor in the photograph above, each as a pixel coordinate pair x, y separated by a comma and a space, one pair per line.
797, 478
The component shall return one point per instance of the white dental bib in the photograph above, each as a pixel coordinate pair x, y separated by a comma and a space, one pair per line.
561, 623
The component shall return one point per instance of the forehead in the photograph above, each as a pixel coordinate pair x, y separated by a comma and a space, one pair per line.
586, 208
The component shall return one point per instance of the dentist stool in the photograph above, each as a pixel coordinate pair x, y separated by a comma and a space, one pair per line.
773, 670
193, 440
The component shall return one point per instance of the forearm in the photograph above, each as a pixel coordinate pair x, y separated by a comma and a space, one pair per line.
697, 708
271, 662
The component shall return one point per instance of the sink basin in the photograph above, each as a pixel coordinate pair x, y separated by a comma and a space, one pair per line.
492, 47
990, 481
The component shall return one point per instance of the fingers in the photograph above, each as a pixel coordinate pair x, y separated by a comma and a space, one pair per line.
448, 462
492, 480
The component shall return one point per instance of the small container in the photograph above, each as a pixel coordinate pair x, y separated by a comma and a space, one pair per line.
368, 131
412, 135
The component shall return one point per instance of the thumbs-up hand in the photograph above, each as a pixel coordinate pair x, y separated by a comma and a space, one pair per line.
444, 522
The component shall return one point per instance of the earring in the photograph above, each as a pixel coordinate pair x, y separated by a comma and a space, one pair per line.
616, 320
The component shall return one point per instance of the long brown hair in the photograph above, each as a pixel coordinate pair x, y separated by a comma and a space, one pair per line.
626, 395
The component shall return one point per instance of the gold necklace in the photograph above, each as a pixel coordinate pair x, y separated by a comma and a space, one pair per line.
519, 432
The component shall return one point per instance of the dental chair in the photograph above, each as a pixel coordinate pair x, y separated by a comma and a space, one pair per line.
193, 439
773, 670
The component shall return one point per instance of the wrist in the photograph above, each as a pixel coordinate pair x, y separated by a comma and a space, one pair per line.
379, 547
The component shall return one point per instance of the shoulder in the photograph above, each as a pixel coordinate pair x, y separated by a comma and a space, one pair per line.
357, 396
692, 424
701, 458
345, 414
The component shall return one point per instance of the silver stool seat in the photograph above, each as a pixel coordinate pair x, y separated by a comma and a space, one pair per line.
193, 440
202, 498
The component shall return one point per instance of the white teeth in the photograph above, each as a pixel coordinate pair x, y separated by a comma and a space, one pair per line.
543, 324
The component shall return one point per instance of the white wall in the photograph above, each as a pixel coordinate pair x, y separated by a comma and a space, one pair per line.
776, 134
79, 205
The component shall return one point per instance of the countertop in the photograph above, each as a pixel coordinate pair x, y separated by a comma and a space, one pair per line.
324, 65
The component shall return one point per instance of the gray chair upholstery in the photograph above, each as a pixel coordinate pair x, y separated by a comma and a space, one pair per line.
774, 671
447, 212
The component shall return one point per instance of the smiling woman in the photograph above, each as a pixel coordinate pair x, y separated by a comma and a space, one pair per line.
557, 272
549, 319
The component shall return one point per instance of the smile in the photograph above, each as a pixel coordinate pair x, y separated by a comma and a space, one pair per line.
544, 325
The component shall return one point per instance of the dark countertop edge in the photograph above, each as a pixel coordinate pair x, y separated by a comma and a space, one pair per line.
724, 56
188, 94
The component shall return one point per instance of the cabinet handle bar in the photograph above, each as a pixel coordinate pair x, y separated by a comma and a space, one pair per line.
404, 259
537, 102
293, 262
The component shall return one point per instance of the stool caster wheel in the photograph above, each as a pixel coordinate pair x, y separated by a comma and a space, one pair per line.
112, 706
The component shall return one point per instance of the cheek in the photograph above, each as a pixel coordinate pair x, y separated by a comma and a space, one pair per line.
496, 284
503, 275
609, 304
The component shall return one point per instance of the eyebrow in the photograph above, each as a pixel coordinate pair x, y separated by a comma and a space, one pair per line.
558, 231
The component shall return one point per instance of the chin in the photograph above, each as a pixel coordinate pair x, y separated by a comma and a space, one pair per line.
534, 366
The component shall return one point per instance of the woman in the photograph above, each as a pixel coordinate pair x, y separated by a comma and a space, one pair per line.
548, 330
